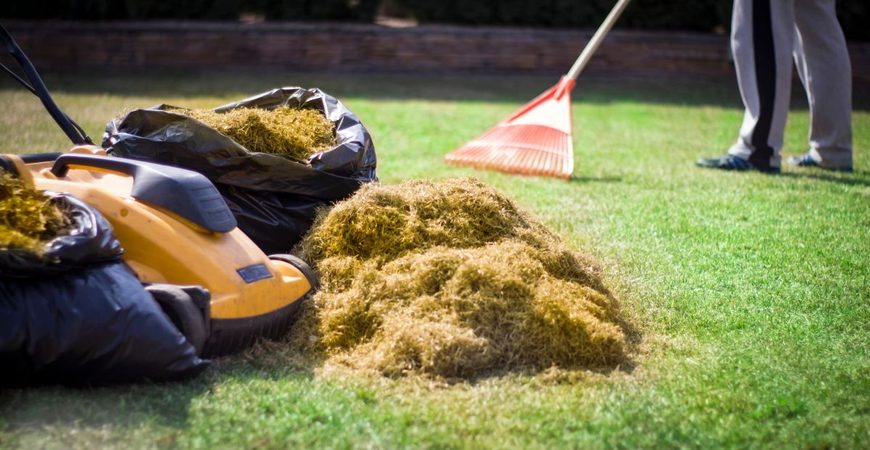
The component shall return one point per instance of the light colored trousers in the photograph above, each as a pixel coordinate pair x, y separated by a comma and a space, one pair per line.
767, 37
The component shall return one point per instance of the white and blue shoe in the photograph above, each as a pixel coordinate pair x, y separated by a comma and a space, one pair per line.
806, 160
731, 162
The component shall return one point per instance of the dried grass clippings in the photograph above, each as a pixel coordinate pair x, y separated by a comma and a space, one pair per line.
451, 279
295, 133
27, 217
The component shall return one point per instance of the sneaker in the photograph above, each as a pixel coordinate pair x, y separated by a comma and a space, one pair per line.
731, 162
806, 160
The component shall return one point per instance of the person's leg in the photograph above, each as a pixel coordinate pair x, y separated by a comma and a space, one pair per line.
824, 68
762, 40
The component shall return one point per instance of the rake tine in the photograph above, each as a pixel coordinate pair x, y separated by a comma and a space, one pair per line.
519, 148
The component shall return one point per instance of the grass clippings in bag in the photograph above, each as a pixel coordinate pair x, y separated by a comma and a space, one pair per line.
27, 217
295, 133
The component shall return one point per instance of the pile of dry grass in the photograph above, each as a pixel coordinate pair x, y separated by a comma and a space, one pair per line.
27, 218
451, 279
295, 133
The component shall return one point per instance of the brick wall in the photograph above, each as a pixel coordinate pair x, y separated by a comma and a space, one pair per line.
358, 47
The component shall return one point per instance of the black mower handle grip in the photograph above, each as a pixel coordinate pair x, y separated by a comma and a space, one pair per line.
62, 163
30, 158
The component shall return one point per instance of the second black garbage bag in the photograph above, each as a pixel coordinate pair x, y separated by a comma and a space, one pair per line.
273, 197
74, 313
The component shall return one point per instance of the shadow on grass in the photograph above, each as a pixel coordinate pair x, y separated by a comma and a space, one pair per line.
126, 406
856, 178
605, 179
165, 404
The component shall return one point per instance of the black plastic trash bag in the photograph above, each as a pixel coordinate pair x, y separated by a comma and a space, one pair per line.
272, 197
90, 242
80, 316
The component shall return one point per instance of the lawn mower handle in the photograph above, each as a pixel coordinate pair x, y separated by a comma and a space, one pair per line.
72, 130
64, 160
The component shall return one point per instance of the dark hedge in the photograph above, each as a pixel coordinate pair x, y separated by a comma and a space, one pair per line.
697, 15
341, 10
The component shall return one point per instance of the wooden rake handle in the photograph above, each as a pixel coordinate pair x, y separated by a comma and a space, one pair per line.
595, 42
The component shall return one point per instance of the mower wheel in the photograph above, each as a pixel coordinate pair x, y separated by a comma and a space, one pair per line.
187, 308
302, 266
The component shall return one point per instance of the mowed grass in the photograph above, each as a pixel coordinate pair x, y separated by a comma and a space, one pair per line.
749, 293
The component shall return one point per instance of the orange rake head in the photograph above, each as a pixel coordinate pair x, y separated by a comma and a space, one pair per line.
536, 140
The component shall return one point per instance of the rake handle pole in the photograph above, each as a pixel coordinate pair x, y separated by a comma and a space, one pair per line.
595, 42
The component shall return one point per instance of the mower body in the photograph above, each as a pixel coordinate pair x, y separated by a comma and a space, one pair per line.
176, 229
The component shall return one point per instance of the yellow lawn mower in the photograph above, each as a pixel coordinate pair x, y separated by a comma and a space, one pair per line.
176, 229
178, 233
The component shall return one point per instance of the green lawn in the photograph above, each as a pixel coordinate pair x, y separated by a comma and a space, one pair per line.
750, 293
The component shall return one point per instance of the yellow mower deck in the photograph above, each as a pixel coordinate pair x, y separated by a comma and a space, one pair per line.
252, 294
